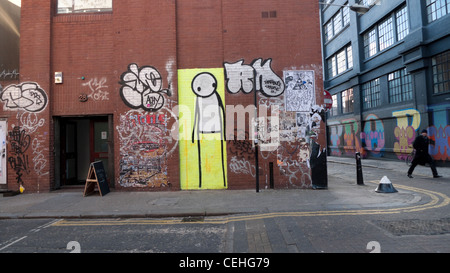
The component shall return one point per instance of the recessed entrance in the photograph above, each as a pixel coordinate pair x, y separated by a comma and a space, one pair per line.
78, 142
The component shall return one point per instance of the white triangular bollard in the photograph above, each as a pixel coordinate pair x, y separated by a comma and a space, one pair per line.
385, 186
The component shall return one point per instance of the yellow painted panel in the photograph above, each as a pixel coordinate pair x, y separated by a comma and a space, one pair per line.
207, 171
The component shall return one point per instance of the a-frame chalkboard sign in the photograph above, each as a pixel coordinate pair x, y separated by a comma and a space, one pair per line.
96, 176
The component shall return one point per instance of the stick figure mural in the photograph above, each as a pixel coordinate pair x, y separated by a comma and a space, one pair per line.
202, 129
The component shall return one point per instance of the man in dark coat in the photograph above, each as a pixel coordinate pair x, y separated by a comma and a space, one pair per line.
422, 156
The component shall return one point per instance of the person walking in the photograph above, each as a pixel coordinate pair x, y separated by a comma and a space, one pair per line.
422, 156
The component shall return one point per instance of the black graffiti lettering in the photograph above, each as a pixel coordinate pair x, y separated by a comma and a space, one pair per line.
18, 161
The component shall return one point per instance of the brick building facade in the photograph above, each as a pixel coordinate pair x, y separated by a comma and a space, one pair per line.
163, 92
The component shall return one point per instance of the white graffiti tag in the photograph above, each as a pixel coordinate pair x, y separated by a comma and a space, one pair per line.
26, 96
141, 88
259, 76
97, 88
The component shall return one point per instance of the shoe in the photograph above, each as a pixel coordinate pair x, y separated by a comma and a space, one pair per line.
437, 176
409, 175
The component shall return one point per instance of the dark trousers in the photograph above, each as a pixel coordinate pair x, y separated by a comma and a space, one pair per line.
423, 159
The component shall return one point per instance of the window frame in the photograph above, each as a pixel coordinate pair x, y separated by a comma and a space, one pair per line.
337, 67
72, 10
375, 38
400, 87
337, 23
371, 94
440, 69
435, 13
348, 101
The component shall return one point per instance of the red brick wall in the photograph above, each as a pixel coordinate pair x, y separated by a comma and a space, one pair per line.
167, 35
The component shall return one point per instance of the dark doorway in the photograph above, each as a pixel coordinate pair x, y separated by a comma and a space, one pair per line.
82, 140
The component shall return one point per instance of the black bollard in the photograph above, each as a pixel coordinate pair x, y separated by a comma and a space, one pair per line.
359, 174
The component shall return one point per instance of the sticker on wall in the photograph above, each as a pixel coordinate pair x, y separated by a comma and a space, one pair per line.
300, 93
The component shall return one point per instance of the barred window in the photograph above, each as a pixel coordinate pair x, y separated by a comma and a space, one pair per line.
436, 9
441, 72
400, 86
347, 101
80, 6
371, 94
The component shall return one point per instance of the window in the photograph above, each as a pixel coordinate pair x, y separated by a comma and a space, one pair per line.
332, 69
349, 57
340, 62
334, 107
436, 9
384, 34
441, 73
368, 3
269, 14
370, 43
400, 86
347, 101
402, 23
371, 94
80, 6
337, 23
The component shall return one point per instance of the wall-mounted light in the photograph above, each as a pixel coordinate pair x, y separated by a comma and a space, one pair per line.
361, 9
58, 77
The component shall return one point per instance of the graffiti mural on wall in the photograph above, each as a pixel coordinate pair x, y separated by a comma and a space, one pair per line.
27, 96
144, 148
373, 136
440, 132
19, 141
258, 76
203, 149
408, 121
27, 151
142, 88
98, 90
201, 127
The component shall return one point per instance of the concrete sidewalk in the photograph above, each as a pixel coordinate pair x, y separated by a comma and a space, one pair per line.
341, 194
388, 164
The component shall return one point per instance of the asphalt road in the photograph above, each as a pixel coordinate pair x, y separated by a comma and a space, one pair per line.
422, 231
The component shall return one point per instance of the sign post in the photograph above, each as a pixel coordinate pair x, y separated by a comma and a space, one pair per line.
96, 176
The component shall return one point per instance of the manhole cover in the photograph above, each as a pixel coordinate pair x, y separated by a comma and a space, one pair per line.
416, 226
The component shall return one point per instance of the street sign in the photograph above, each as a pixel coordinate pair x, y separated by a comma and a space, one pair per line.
327, 100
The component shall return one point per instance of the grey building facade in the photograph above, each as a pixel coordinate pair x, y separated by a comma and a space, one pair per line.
388, 73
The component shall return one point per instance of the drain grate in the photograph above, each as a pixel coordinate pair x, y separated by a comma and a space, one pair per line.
416, 226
